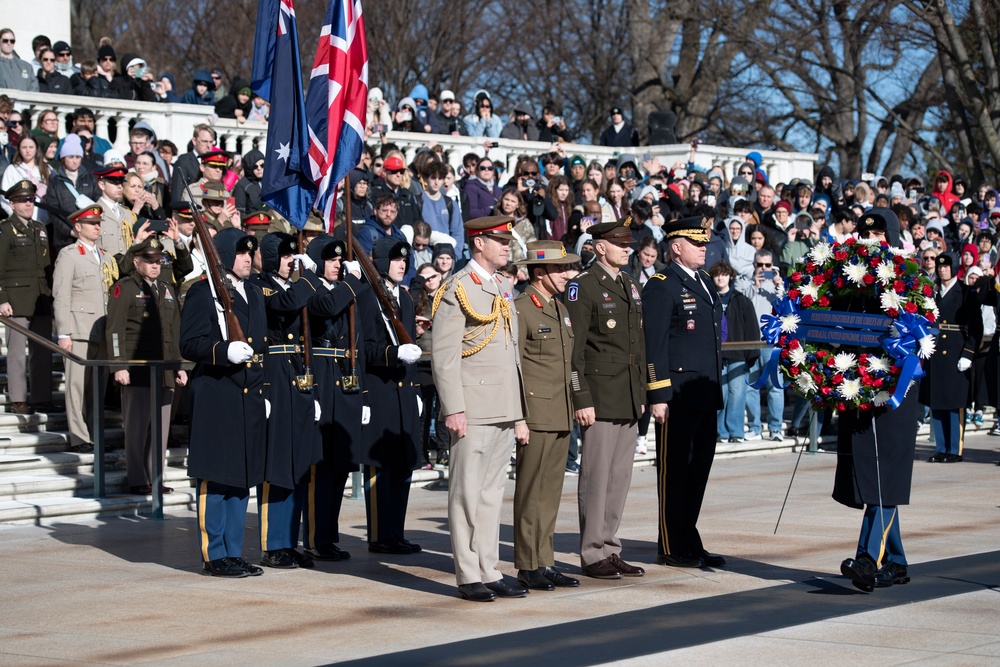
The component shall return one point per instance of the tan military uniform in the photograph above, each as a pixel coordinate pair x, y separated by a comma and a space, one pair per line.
80, 284
545, 337
143, 323
116, 228
477, 371
25, 283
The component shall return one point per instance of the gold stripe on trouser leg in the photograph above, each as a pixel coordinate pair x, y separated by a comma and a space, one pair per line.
885, 535
265, 487
373, 531
662, 486
312, 506
961, 431
202, 503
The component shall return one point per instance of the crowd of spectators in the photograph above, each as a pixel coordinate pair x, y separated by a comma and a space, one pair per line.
759, 229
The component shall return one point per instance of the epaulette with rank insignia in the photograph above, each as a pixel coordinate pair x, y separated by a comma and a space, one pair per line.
268, 291
535, 300
658, 276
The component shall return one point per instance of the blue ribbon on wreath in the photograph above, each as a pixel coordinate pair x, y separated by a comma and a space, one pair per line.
770, 329
903, 349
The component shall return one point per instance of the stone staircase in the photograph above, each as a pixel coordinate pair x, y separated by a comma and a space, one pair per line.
42, 482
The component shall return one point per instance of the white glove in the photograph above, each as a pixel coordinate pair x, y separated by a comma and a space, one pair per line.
354, 268
408, 353
366, 415
239, 352
319, 410
964, 365
420, 407
267, 409
305, 261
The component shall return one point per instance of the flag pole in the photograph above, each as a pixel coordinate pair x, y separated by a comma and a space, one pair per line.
350, 384
305, 382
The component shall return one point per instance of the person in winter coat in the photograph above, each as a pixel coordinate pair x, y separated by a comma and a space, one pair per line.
246, 192
482, 122
521, 128
89, 83
942, 190
134, 82
738, 250
50, 80
426, 117
481, 191
167, 92
201, 91
619, 133
378, 112
406, 119
828, 184
237, 103
71, 188
739, 323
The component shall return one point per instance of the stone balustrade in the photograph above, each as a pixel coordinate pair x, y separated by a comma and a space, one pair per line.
176, 121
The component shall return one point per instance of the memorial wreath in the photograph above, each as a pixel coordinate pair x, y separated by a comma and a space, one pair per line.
852, 360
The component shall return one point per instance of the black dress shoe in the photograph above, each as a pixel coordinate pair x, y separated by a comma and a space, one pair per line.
224, 567
476, 593
505, 589
391, 547
602, 569
623, 567
143, 490
861, 572
414, 548
558, 578
952, 458
680, 561
936, 458
325, 552
45, 407
252, 570
83, 448
891, 574
300, 559
712, 560
166, 489
535, 580
279, 558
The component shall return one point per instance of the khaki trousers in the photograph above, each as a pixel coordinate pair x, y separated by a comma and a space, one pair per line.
478, 471
541, 469
38, 359
78, 391
605, 478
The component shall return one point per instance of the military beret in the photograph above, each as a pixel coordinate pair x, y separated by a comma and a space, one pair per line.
215, 157
498, 226
23, 188
616, 232
113, 174
213, 190
693, 229
90, 214
548, 252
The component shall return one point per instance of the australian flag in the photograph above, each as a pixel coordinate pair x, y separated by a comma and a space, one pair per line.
336, 104
277, 77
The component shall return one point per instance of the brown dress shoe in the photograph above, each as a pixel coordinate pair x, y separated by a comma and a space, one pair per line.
22, 408
623, 567
602, 569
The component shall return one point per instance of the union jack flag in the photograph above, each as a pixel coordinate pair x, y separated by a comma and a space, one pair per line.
336, 102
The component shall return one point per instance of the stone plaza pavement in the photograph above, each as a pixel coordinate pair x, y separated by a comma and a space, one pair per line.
126, 591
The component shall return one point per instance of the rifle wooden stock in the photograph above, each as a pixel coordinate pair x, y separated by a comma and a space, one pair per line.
216, 271
402, 335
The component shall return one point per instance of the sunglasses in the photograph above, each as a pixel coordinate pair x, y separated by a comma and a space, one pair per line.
63, 55
377, 165
394, 171
762, 265
419, 246
48, 60
22, 200
485, 106
530, 173
107, 58
746, 173
6, 40
13, 123
216, 77
486, 169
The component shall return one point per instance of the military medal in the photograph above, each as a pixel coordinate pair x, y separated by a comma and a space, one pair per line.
635, 293
612, 323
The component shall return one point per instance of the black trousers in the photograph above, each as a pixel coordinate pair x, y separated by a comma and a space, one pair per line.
685, 448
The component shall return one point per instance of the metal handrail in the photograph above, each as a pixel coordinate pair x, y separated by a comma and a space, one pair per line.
157, 367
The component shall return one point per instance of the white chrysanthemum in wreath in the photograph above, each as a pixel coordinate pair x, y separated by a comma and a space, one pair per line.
844, 361
891, 301
886, 272
878, 365
790, 323
926, 347
849, 389
856, 273
821, 253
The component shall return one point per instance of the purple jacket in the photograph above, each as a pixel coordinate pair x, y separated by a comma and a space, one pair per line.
480, 198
